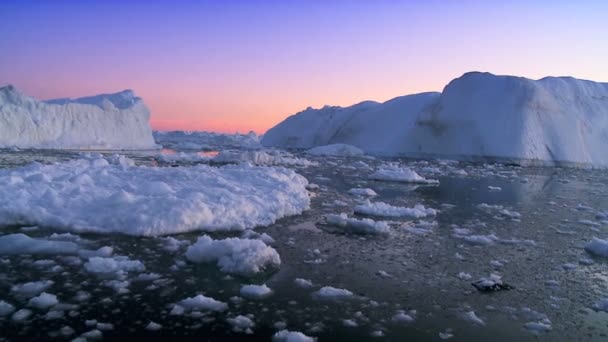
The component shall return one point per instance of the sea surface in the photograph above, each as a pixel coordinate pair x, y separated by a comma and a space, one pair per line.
425, 269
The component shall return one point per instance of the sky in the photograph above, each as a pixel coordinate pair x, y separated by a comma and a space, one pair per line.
236, 66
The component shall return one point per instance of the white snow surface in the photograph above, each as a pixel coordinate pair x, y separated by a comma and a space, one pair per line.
93, 195
106, 121
554, 120
234, 255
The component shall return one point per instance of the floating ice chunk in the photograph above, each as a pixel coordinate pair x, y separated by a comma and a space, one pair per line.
201, 302
6, 308
384, 209
32, 288
241, 323
304, 283
113, 266
446, 334
494, 188
396, 174
94, 334
598, 247
255, 291
363, 226
539, 327
350, 323
337, 150
21, 315
291, 336
234, 255
473, 318
464, 276
43, 301
153, 326
149, 201
332, 293
402, 317
362, 192
23, 244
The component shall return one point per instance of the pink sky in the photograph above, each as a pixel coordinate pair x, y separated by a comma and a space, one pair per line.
244, 66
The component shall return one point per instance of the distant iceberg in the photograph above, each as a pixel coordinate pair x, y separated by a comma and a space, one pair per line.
117, 121
555, 121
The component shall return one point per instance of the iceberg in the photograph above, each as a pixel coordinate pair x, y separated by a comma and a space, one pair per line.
94, 195
117, 121
551, 121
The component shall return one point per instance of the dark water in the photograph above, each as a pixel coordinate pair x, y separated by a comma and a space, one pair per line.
541, 254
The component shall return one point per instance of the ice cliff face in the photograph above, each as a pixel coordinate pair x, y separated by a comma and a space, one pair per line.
107, 121
553, 120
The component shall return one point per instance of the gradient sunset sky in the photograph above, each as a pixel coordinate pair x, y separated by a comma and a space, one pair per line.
246, 65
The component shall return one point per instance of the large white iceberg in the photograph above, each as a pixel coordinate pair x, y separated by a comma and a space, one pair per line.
92, 195
107, 121
554, 120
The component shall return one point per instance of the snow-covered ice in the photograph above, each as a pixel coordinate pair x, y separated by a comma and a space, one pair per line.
332, 293
394, 173
43, 301
92, 195
241, 323
107, 121
234, 255
384, 209
6, 308
31, 288
113, 266
551, 120
291, 336
357, 226
255, 291
362, 192
201, 302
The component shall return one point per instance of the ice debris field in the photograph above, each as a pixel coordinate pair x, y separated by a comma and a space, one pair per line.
322, 229
272, 245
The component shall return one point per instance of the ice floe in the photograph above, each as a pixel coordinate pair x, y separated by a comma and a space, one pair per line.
92, 195
234, 255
